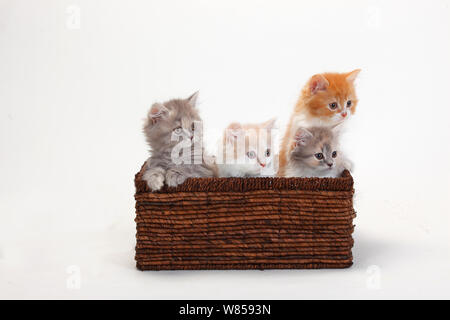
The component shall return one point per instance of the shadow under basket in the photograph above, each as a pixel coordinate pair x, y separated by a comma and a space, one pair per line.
245, 223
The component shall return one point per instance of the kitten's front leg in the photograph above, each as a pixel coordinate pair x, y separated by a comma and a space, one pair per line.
347, 164
154, 177
344, 164
175, 176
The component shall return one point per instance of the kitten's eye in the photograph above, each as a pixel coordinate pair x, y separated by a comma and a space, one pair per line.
333, 106
268, 153
319, 156
334, 154
177, 130
251, 155
349, 103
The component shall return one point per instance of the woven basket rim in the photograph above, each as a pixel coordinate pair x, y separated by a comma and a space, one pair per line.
239, 184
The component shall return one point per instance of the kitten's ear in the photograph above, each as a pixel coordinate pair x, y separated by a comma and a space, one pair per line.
233, 131
302, 137
317, 83
337, 129
337, 126
157, 112
270, 124
192, 100
351, 76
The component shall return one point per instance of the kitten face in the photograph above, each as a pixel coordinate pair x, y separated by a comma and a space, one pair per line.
170, 122
315, 149
257, 150
248, 148
331, 97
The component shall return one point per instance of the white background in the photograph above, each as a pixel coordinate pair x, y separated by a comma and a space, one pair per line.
73, 93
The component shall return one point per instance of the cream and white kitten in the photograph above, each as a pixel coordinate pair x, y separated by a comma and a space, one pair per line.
248, 150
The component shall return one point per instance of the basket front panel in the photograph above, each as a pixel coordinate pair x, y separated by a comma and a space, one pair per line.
259, 229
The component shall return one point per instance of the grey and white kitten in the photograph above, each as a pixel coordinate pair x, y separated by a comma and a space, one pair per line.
316, 153
168, 126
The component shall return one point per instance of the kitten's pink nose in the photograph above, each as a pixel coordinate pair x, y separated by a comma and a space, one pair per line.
330, 164
344, 114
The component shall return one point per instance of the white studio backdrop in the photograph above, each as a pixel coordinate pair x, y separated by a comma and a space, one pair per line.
77, 78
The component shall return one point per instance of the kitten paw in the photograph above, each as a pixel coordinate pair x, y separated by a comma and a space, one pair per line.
348, 165
174, 178
155, 180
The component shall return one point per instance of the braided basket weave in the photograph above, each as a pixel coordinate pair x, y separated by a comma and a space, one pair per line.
245, 223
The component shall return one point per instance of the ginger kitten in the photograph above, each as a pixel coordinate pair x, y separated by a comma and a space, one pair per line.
327, 100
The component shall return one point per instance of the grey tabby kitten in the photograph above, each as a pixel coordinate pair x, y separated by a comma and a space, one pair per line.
166, 123
315, 154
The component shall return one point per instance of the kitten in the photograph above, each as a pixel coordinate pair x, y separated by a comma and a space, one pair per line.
247, 150
315, 153
328, 99
166, 123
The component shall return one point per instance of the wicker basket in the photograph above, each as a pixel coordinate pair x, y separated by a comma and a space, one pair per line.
245, 223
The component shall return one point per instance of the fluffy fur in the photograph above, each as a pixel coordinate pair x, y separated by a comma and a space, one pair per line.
167, 125
315, 153
247, 150
328, 100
